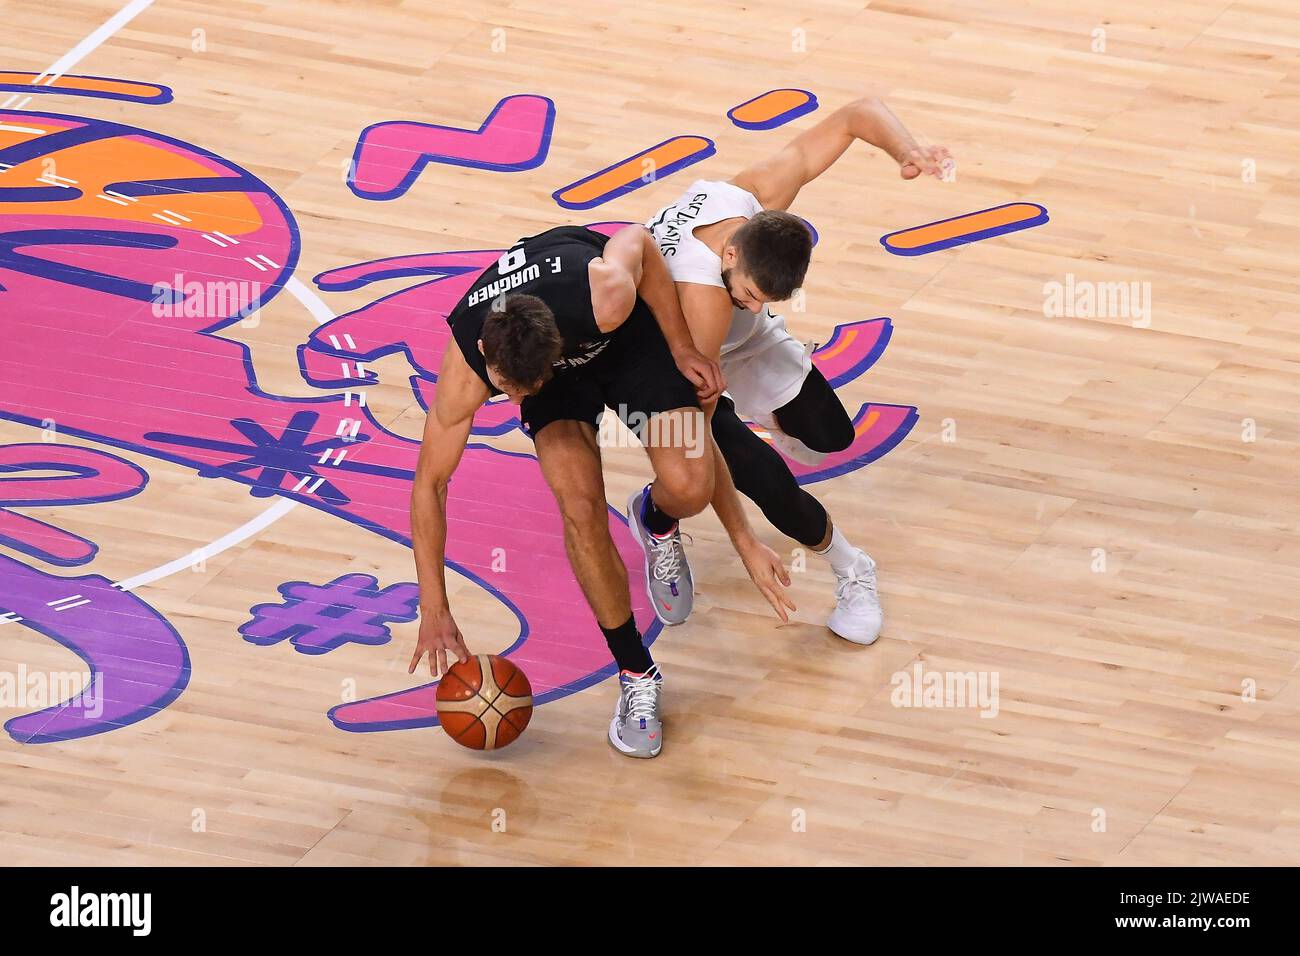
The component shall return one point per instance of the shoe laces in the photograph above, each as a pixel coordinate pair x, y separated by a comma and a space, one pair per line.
856, 588
641, 693
668, 557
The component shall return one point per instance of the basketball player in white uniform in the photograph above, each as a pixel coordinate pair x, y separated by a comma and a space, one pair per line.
731, 248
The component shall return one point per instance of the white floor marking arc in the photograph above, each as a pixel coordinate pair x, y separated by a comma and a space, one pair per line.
316, 307
93, 41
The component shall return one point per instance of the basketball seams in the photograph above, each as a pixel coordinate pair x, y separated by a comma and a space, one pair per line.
464, 683
487, 706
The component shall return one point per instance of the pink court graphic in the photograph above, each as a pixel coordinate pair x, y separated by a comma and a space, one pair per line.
389, 156
78, 279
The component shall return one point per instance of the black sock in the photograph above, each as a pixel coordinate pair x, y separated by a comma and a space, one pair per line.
654, 520
625, 644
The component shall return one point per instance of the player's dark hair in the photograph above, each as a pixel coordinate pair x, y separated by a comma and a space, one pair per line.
774, 247
521, 340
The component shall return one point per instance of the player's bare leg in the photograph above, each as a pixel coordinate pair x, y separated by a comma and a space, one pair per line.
680, 447
570, 460
569, 456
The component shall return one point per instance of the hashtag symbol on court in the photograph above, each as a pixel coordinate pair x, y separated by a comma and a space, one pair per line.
317, 618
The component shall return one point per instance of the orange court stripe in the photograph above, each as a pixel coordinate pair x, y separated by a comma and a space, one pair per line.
963, 225
865, 426
841, 346
90, 84
632, 168
769, 105
99, 164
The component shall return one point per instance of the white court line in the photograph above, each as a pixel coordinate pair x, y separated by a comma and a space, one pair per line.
318, 310
308, 297
92, 42
268, 517
225, 542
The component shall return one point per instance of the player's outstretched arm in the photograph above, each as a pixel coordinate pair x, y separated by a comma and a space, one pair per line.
775, 181
446, 433
708, 311
762, 564
633, 266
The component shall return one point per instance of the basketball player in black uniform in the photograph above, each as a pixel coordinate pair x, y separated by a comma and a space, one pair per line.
565, 324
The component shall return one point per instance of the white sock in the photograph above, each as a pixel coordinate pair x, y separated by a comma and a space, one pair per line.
843, 557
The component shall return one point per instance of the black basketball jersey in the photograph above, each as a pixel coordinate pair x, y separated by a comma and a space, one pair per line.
551, 266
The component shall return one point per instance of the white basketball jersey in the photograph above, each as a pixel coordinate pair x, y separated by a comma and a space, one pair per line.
690, 260
763, 364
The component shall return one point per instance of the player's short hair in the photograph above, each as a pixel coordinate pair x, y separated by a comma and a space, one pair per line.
774, 248
521, 340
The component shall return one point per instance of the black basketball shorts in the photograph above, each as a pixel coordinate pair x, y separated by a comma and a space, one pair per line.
635, 376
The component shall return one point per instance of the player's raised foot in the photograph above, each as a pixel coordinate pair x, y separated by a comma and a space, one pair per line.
788, 445
857, 616
636, 729
667, 572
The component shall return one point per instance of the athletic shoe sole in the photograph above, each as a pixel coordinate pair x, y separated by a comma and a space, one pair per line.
625, 750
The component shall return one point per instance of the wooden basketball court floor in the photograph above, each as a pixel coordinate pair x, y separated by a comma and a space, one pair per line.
1096, 508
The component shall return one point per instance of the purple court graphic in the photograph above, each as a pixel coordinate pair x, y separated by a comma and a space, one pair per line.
316, 619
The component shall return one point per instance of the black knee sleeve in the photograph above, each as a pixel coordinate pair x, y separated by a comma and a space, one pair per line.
816, 417
761, 475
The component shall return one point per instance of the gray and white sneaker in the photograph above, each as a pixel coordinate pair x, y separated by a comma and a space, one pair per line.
667, 573
636, 729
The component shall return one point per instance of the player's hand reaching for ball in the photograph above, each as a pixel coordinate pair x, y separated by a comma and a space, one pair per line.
768, 574
930, 160
701, 371
438, 635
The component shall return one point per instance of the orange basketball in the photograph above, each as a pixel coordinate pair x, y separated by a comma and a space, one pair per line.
484, 703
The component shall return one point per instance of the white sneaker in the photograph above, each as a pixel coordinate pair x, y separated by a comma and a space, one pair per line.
857, 616
788, 445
